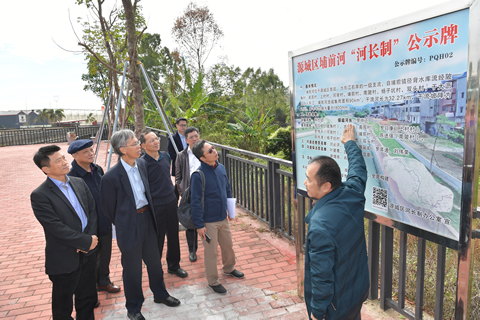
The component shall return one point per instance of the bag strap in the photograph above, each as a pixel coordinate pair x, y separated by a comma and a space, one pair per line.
202, 175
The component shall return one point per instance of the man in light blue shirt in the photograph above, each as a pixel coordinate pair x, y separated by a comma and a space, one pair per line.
66, 210
72, 198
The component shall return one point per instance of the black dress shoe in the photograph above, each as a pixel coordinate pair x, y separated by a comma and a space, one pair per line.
170, 301
235, 274
110, 288
219, 289
192, 257
136, 316
179, 272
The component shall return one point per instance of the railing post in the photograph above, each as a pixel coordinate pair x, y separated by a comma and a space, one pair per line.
225, 162
420, 278
298, 225
274, 195
440, 285
386, 268
402, 269
373, 257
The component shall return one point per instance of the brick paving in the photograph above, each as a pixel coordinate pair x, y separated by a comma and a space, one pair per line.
268, 290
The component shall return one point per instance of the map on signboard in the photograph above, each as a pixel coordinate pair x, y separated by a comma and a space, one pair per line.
405, 90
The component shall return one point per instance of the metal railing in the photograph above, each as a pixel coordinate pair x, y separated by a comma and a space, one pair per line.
266, 192
15, 137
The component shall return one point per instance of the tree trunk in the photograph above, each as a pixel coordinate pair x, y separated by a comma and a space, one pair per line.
134, 70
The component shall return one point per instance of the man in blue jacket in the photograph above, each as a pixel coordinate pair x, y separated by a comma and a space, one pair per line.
212, 220
336, 269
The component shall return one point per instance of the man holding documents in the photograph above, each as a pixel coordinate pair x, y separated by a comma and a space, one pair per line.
211, 218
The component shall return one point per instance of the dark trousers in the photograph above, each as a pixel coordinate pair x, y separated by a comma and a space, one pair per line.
192, 240
147, 250
356, 312
80, 283
167, 224
104, 254
191, 234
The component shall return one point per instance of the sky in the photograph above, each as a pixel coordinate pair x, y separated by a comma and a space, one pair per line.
36, 73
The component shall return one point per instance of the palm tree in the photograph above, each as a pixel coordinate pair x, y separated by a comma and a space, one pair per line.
56, 115
194, 101
254, 129
44, 115
90, 118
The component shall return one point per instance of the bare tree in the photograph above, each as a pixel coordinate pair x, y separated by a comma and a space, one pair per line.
108, 40
103, 40
197, 32
134, 69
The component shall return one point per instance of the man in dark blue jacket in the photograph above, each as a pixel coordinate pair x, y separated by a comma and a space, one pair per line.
336, 269
212, 220
83, 167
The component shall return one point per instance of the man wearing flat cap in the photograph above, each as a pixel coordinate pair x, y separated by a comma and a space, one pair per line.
83, 167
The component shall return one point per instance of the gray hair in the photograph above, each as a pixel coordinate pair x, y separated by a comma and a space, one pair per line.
120, 138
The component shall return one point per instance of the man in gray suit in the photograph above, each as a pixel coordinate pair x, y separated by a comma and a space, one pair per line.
65, 208
186, 164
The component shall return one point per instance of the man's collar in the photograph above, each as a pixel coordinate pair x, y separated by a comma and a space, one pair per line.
215, 165
59, 183
160, 156
79, 169
127, 166
332, 194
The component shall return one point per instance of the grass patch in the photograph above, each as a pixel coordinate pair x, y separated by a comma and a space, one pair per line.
456, 159
388, 143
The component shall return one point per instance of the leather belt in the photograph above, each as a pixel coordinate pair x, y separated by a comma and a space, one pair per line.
142, 209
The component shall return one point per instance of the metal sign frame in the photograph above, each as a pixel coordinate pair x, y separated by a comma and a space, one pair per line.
471, 149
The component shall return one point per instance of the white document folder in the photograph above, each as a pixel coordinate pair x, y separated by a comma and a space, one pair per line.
231, 203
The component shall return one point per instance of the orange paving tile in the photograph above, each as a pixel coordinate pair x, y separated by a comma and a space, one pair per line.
267, 291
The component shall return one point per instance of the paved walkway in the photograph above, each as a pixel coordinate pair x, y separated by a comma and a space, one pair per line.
267, 291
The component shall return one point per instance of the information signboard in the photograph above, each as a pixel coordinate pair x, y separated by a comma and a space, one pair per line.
405, 89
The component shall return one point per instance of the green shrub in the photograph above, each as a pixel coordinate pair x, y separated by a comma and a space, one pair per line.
280, 143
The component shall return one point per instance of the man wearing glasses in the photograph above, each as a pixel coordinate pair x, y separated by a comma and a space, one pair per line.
66, 210
180, 142
126, 200
212, 218
164, 200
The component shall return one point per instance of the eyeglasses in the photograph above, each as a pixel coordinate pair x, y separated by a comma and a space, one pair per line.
210, 151
181, 125
136, 144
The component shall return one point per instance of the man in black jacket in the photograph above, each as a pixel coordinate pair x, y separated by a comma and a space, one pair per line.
180, 142
83, 167
66, 210
126, 200
164, 200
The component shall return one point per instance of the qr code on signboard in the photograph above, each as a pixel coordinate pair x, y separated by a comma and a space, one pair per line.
380, 198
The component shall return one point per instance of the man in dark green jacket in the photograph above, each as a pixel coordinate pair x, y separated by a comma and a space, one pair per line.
336, 268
